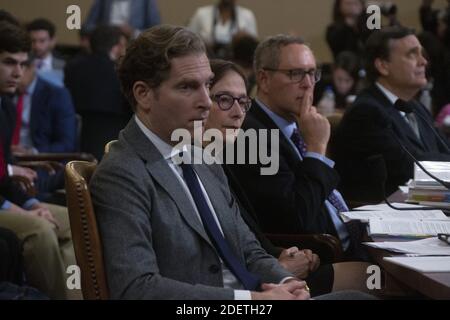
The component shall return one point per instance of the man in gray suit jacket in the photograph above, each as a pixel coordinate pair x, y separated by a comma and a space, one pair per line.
157, 242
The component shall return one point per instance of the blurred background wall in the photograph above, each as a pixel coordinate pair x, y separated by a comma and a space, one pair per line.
308, 18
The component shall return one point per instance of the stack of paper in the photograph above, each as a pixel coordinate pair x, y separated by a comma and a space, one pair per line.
422, 264
425, 247
364, 216
408, 227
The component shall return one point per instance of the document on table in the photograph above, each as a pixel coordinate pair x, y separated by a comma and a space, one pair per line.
405, 227
422, 264
385, 207
424, 247
364, 216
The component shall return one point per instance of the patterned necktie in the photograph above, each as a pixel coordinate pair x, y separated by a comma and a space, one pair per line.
300, 144
18, 126
248, 279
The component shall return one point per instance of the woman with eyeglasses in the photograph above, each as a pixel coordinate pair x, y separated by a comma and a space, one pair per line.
230, 105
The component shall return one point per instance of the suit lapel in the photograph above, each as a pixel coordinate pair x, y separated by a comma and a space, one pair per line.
36, 101
163, 175
285, 147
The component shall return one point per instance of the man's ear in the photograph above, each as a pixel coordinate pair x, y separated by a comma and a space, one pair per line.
144, 95
382, 66
262, 79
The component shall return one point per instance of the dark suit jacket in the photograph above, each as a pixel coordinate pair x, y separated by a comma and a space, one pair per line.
52, 119
291, 201
8, 190
368, 129
92, 80
154, 244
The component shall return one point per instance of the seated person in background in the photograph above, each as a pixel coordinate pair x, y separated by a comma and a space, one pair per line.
385, 116
230, 104
43, 41
300, 197
131, 16
92, 80
244, 46
217, 24
45, 123
340, 93
44, 229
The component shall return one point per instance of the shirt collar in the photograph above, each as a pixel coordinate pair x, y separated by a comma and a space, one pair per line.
391, 97
287, 127
166, 150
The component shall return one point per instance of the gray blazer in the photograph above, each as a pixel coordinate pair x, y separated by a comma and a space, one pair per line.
154, 244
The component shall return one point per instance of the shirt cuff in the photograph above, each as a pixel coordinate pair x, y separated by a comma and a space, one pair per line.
29, 203
284, 280
6, 205
242, 295
10, 170
320, 157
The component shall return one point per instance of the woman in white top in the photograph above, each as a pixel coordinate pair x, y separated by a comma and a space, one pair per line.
217, 24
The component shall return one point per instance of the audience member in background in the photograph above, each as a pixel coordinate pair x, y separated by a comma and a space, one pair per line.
43, 40
348, 30
45, 123
435, 20
340, 93
44, 229
244, 46
131, 16
230, 105
217, 24
386, 116
95, 88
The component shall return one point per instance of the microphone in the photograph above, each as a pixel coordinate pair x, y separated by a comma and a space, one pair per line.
378, 169
403, 106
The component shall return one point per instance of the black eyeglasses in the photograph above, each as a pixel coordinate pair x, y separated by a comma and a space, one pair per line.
297, 75
225, 101
444, 237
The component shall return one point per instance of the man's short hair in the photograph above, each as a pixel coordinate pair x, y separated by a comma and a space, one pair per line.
13, 39
148, 57
267, 53
42, 24
378, 46
8, 17
104, 38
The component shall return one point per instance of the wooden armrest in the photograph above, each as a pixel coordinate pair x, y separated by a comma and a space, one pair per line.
60, 157
49, 166
25, 184
326, 246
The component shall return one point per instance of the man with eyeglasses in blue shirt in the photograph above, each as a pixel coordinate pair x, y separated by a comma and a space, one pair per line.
301, 197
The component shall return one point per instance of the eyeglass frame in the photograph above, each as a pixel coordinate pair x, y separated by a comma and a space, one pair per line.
215, 97
317, 73
444, 237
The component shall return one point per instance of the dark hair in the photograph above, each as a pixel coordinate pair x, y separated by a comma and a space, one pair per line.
378, 46
14, 38
42, 24
348, 61
221, 67
103, 38
337, 15
148, 57
244, 47
8, 17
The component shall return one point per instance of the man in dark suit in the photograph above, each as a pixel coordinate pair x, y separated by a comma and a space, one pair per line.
386, 116
300, 197
95, 88
174, 231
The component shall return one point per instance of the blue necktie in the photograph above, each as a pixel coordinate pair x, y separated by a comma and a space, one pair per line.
248, 279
